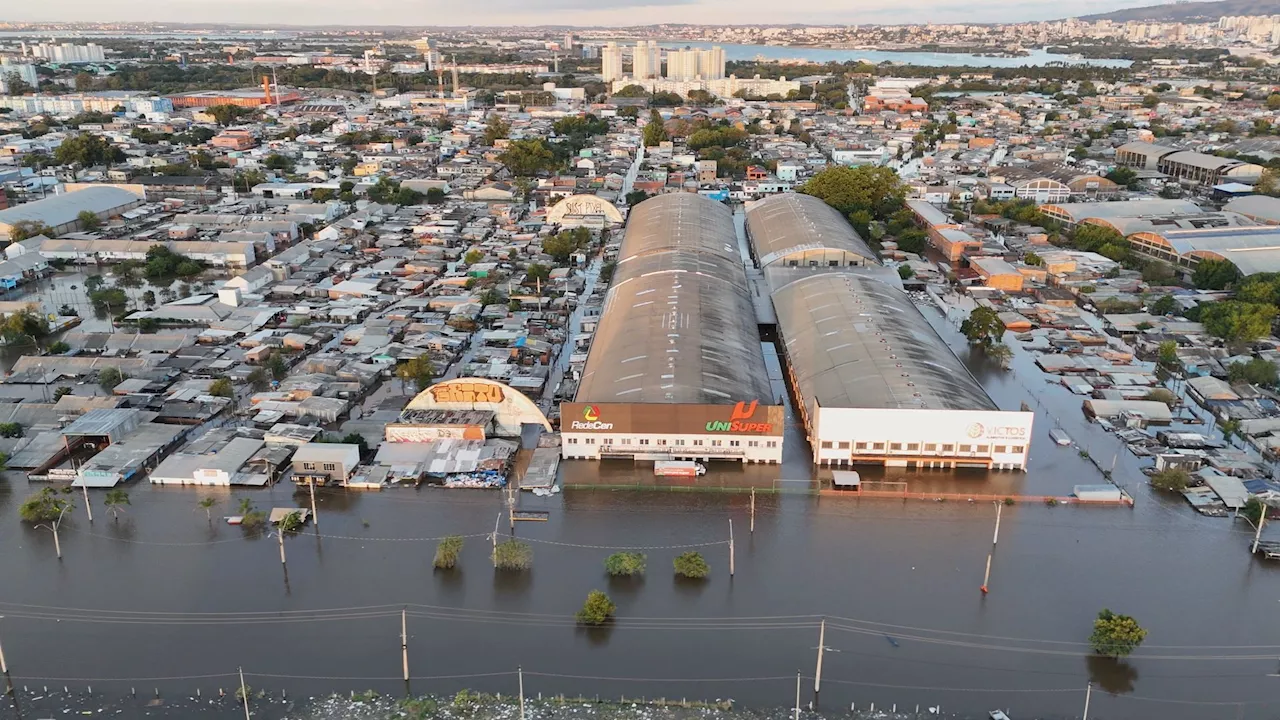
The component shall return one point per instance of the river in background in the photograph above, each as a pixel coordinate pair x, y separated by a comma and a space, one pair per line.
1035, 57
171, 601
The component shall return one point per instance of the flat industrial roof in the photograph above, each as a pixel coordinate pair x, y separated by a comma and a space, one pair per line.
63, 209
677, 325
854, 341
793, 222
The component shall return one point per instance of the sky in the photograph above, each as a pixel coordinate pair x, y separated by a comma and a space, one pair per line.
554, 12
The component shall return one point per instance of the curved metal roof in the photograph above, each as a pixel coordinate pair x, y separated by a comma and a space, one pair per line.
1079, 212
677, 325
853, 341
793, 222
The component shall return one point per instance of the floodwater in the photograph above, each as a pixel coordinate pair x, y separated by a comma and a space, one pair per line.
66, 290
164, 599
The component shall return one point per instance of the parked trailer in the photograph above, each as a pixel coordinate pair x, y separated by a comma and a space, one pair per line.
678, 468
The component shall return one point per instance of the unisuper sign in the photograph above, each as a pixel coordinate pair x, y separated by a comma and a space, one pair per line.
739, 421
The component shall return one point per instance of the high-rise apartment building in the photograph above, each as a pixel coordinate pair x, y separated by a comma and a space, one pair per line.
711, 63
647, 61
611, 62
69, 53
691, 64
22, 71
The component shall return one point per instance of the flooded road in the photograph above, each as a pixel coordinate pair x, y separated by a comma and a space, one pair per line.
164, 599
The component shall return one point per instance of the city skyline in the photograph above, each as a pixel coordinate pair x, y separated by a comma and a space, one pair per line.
580, 13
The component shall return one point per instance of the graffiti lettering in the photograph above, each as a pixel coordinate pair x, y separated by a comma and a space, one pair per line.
466, 392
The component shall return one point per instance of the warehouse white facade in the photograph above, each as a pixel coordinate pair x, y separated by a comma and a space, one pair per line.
873, 381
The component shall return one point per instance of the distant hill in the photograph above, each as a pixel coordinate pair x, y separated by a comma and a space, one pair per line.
1191, 11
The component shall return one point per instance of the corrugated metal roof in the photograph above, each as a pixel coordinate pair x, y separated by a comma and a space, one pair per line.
1260, 207
1079, 212
63, 209
793, 222
854, 341
678, 325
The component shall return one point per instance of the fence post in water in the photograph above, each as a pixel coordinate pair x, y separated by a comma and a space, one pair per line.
520, 674
244, 693
730, 547
797, 715
404, 644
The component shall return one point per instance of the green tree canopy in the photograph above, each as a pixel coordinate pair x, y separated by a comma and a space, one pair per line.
227, 114
865, 188
496, 130
1103, 240
87, 150
528, 157
597, 610
1116, 635
983, 326
655, 132
1236, 321
1214, 274
1257, 371
89, 220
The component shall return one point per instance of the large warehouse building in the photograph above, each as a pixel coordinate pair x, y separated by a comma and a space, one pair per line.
873, 380
61, 212
676, 369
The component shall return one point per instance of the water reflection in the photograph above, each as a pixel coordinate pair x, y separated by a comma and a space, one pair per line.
511, 583
596, 635
1113, 675
690, 587
625, 585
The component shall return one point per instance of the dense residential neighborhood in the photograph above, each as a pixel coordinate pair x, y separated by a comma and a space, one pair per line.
911, 275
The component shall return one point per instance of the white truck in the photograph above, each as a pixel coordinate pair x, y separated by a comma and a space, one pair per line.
678, 468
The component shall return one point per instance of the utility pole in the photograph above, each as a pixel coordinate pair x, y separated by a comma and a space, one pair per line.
494, 537
244, 694
753, 511
315, 517
797, 715
817, 673
404, 643
53, 527
1088, 693
520, 674
986, 576
280, 537
4, 668
996, 537
730, 547
1257, 535
87, 507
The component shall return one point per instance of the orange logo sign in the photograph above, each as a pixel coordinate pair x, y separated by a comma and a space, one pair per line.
743, 411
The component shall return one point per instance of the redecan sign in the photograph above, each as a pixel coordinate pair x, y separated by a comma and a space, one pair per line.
742, 418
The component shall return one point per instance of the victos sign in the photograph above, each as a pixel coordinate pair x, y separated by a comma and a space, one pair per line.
999, 432
746, 418
740, 421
